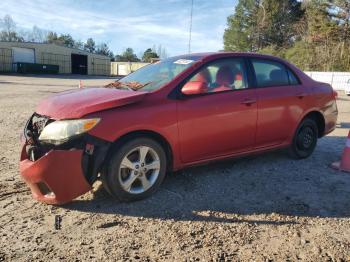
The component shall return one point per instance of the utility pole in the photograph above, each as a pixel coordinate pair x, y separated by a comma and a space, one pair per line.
190, 35
261, 23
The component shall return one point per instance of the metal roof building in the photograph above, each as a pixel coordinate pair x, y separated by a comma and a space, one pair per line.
68, 60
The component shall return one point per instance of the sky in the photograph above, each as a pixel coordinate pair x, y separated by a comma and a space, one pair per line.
139, 24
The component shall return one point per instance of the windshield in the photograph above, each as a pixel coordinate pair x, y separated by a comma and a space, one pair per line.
153, 76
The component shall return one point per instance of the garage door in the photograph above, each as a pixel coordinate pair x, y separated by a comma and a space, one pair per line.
24, 55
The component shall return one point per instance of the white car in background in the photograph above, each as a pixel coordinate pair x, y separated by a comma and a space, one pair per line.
347, 88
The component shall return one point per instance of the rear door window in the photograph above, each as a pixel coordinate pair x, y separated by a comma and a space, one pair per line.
270, 73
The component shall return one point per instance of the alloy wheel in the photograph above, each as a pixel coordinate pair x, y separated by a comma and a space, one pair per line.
139, 170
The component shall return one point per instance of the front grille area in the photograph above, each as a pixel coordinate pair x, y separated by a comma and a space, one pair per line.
34, 127
32, 131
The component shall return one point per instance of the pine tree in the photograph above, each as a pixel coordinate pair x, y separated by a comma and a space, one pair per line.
260, 24
242, 27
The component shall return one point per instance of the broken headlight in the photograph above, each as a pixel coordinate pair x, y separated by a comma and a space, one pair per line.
59, 132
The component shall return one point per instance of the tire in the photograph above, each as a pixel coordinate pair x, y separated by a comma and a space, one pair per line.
304, 140
129, 175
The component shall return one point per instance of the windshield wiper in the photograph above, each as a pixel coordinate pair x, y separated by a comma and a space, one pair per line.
132, 85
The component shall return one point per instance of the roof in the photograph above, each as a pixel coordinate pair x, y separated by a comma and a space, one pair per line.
51, 44
226, 53
216, 55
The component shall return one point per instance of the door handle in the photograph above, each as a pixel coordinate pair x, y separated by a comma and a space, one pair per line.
248, 102
301, 95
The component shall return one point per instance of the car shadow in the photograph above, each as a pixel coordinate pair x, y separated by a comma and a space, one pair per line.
343, 98
265, 184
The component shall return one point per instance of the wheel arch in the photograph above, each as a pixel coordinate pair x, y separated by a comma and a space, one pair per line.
319, 119
145, 133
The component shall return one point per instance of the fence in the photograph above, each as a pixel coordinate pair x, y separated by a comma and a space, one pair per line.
338, 80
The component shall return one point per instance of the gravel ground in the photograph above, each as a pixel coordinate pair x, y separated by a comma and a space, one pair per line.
263, 208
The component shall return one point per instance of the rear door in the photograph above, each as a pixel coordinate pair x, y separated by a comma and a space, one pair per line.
221, 121
281, 102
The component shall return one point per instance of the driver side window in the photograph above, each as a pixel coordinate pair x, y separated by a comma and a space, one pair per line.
223, 75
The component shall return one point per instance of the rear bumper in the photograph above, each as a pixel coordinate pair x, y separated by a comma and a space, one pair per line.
55, 178
331, 122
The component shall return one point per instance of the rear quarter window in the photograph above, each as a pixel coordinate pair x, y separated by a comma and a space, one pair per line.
293, 80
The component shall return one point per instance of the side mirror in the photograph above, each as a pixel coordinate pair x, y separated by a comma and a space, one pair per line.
195, 88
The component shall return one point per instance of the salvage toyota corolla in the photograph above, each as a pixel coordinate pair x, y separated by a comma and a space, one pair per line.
179, 112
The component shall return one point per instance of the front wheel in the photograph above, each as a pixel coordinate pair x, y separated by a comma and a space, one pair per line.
135, 170
305, 139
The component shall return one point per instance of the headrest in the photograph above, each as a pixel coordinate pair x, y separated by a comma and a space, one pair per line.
278, 77
203, 76
224, 76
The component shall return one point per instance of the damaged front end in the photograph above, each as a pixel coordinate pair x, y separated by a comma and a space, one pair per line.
58, 171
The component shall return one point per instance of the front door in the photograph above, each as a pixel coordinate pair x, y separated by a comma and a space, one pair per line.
221, 121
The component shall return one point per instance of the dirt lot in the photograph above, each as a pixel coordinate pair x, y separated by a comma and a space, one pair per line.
262, 208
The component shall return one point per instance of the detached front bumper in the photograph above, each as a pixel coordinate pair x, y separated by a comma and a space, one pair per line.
55, 178
56, 174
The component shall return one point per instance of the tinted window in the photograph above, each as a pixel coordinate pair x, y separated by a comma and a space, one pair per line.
223, 75
269, 73
293, 80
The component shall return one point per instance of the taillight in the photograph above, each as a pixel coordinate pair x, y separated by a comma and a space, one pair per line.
335, 94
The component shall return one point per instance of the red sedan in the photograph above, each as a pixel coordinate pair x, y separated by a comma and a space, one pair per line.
179, 112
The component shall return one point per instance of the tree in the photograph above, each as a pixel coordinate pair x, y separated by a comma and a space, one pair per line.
37, 35
63, 40
103, 49
52, 38
127, 56
280, 20
148, 55
340, 13
324, 42
160, 51
90, 45
79, 45
258, 24
313, 34
8, 32
67, 40
242, 27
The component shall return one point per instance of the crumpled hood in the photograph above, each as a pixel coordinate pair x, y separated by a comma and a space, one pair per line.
79, 102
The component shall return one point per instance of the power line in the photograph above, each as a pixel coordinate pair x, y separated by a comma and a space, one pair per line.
190, 35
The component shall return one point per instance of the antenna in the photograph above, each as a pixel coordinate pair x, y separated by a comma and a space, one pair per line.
190, 35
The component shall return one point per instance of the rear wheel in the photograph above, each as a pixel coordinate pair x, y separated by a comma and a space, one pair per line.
135, 170
305, 139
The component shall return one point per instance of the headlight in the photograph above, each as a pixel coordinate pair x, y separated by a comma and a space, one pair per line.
59, 132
